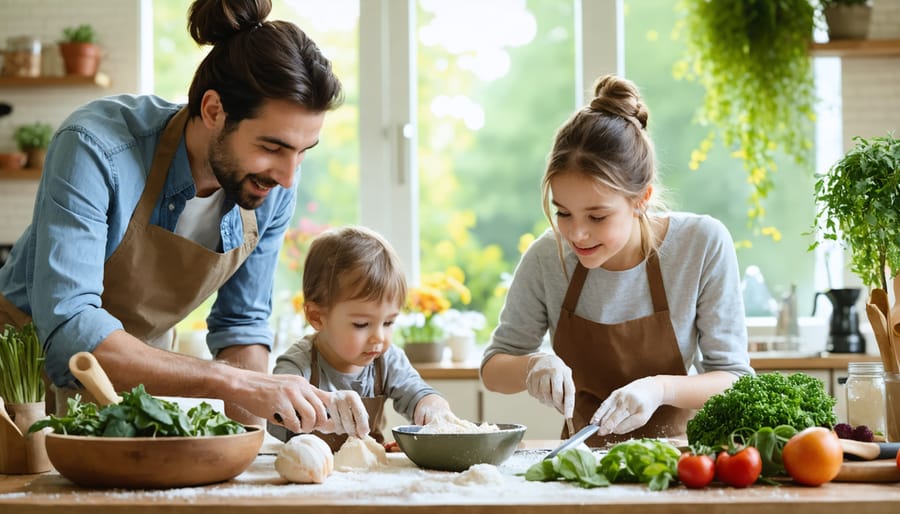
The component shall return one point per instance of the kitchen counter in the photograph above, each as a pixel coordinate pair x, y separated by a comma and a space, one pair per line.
760, 362
401, 485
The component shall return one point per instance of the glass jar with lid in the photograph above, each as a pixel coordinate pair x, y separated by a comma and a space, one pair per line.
22, 57
865, 395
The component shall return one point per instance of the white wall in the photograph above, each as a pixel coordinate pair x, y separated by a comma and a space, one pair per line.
871, 85
117, 23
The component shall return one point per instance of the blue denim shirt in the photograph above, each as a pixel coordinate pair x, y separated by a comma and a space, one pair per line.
93, 177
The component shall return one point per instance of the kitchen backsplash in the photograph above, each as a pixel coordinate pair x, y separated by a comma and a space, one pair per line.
871, 98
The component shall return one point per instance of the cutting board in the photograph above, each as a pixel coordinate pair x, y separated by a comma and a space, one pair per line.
883, 470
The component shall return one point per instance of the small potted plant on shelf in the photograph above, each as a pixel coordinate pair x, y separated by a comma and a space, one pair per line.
79, 49
33, 139
847, 19
422, 326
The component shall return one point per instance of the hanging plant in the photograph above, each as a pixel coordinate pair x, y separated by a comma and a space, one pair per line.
751, 57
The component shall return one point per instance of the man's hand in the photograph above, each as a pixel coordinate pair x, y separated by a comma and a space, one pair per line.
629, 407
549, 380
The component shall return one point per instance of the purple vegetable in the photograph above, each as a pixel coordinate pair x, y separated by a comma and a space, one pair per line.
863, 433
844, 431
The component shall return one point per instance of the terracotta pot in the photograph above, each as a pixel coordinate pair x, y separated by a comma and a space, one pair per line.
21, 452
12, 160
424, 351
80, 58
36, 158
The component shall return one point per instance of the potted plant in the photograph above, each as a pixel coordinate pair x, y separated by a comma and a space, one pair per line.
859, 205
422, 324
21, 401
751, 57
847, 19
79, 49
33, 139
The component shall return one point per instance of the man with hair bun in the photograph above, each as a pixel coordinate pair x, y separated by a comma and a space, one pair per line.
146, 208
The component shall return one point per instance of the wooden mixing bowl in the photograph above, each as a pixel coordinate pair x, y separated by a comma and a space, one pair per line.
153, 462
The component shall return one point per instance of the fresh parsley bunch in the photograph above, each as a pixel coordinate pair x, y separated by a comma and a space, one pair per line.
766, 400
139, 415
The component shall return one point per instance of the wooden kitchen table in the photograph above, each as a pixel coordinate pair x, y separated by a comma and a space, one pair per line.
401, 487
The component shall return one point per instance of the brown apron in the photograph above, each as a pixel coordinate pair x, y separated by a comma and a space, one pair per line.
605, 357
374, 405
155, 278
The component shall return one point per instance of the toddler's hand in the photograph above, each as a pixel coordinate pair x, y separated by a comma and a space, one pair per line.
348, 414
430, 408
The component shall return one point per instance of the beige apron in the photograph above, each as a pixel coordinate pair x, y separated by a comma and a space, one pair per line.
605, 357
155, 278
374, 405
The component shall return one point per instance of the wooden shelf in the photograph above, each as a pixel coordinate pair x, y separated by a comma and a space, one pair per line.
856, 48
98, 80
22, 174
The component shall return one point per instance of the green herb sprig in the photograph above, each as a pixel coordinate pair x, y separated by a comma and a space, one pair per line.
21, 364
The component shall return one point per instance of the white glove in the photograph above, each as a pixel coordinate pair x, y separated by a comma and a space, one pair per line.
348, 414
549, 380
629, 407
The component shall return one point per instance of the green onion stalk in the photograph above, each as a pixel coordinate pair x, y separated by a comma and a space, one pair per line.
21, 364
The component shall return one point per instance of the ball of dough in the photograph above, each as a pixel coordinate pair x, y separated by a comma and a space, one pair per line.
359, 454
305, 459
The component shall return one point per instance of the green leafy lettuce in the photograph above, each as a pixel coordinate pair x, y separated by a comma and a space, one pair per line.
766, 400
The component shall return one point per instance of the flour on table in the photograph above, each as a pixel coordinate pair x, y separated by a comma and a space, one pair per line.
456, 426
359, 454
480, 474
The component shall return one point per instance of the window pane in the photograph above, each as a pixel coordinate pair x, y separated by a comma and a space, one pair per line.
719, 187
328, 190
495, 80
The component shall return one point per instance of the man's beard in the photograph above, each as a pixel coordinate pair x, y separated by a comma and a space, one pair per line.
227, 171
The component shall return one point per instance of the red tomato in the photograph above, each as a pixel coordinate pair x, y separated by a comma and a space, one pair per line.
696, 471
740, 469
813, 456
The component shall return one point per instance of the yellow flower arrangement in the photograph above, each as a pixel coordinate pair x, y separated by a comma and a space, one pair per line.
425, 303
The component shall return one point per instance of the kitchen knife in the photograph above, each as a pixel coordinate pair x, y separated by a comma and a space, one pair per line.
869, 451
575, 440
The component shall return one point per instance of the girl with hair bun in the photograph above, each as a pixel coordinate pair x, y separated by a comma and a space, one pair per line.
146, 208
643, 306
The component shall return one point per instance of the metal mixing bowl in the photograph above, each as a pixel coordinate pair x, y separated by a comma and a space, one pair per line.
457, 452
